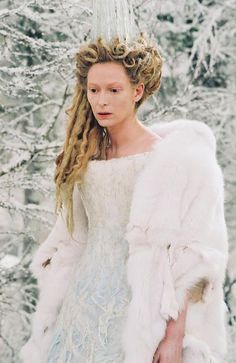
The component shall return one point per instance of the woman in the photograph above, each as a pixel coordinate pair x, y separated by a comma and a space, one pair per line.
133, 269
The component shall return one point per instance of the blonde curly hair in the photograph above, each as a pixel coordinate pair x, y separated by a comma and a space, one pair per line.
85, 138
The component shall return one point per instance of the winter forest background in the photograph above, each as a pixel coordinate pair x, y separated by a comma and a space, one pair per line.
38, 41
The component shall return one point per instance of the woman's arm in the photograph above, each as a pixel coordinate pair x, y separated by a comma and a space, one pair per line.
170, 348
176, 328
59, 238
52, 265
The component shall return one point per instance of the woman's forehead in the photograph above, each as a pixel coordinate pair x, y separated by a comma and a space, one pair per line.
107, 74
111, 69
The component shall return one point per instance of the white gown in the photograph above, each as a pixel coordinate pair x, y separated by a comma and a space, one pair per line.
89, 325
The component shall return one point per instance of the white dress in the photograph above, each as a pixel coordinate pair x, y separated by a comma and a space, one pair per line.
89, 325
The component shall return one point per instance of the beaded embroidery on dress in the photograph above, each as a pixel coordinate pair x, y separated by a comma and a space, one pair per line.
90, 322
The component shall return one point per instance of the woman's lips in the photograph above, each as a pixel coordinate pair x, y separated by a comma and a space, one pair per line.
104, 115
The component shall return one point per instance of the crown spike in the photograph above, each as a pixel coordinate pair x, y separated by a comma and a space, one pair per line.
113, 18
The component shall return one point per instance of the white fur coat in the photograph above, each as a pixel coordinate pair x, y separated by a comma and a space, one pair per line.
177, 236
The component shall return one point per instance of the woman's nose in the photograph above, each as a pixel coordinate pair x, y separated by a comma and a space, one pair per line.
102, 98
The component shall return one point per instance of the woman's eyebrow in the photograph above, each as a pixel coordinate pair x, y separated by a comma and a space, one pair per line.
109, 84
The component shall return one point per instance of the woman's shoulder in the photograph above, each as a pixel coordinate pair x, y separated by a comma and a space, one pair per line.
187, 131
188, 146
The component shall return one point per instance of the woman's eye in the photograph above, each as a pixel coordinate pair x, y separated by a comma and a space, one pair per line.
113, 90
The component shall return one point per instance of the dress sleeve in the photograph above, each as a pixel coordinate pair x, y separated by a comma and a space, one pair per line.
59, 239
52, 265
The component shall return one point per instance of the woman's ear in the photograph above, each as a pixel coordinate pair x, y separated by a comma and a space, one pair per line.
138, 92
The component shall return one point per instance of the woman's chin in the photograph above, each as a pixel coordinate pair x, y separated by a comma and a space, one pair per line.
105, 122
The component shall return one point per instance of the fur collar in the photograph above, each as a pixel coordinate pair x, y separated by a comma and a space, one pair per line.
179, 161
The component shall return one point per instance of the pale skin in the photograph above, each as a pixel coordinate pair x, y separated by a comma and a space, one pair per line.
169, 349
110, 90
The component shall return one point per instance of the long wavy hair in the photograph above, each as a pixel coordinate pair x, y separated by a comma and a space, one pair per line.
85, 139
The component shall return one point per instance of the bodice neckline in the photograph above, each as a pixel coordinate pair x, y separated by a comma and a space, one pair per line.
121, 158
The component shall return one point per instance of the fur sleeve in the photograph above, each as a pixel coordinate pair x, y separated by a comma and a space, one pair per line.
52, 265
177, 244
199, 258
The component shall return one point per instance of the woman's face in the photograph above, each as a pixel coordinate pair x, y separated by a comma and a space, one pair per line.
109, 90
